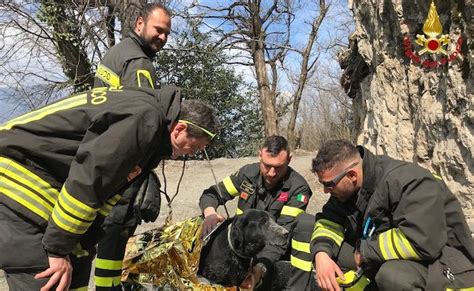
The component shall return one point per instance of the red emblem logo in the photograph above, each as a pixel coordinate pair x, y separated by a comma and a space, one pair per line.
431, 43
283, 197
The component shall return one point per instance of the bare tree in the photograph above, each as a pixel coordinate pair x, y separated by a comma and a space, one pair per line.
38, 37
260, 32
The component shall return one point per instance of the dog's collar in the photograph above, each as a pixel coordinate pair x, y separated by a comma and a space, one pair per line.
229, 240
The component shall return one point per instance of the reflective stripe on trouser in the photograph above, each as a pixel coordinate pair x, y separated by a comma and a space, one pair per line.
301, 260
110, 253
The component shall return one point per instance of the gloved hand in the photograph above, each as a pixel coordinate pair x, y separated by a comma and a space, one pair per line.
148, 200
210, 222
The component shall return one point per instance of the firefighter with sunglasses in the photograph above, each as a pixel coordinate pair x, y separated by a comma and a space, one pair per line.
388, 225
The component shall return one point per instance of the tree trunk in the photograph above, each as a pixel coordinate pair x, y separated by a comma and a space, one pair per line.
257, 49
66, 37
410, 106
267, 96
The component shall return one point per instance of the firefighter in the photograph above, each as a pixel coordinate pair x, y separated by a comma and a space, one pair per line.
130, 64
273, 186
393, 222
64, 166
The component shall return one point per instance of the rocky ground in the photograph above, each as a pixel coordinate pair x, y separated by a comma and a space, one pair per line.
198, 176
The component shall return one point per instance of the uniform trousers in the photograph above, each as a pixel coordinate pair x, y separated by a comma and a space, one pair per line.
22, 254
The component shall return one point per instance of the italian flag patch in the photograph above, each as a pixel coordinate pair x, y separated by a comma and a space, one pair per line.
302, 198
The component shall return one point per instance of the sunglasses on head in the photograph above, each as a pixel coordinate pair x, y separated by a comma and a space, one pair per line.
210, 134
331, 184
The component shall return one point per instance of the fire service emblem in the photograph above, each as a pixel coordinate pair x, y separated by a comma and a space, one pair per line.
434, 44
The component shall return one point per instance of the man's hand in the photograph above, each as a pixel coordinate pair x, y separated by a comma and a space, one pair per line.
253, 279
211, 219
60, 273
326, 271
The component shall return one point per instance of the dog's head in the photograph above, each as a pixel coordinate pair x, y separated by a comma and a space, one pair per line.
254, 229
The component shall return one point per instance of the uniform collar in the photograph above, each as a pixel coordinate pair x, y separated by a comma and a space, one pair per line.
141, 42
369, 176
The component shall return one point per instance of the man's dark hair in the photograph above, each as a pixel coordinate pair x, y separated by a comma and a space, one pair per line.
150, 7
333, 152
275, 144
200, 115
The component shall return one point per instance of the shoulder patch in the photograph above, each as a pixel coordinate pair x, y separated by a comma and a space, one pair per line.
302, 198
283, 197
247, 187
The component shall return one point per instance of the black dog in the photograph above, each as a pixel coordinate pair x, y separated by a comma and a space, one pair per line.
226, 258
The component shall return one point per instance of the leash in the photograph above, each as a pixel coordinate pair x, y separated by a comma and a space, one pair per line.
215, 181
169, 217
229, 240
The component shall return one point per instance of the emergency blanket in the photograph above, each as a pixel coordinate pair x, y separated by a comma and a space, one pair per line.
167, 256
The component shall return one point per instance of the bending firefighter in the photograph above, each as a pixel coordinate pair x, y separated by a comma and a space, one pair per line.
64, 166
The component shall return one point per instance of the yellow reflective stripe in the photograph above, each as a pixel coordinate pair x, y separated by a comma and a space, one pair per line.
300, 246
229, 186
326, 233
83, 217
145, 74
436, 176
328, 229
79, 252
291, 211
45, 111
301, 264
76, 207
108, 264
461, 289
29, 179
26, 201
105, 210
238, 211
404, 246
85, 288
330, 224
386, 246
107, 75
67, 222
107, 281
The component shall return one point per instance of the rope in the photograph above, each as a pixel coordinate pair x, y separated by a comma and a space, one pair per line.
217, 186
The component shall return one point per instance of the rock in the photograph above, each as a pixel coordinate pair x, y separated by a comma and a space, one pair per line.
404, 109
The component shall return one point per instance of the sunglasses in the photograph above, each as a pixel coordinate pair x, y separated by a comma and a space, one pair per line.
331, 184
210, 134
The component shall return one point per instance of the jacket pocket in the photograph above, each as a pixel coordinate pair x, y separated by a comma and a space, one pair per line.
455, 261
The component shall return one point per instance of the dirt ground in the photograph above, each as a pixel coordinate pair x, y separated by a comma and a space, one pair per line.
198, 176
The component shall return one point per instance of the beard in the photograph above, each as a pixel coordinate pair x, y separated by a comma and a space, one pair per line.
153, 43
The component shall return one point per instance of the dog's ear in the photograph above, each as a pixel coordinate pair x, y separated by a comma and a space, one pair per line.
237, 236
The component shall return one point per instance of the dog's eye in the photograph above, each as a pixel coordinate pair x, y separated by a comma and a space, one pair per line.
263, 221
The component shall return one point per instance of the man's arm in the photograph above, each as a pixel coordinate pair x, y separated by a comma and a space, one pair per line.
326, 240
139, 73
419, 231
102, 162
211, 198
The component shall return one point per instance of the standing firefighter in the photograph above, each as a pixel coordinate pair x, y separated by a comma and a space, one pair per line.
130, 64
65, 165
390, 219
273, 186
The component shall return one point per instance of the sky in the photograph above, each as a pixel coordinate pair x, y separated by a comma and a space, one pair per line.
41, 64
